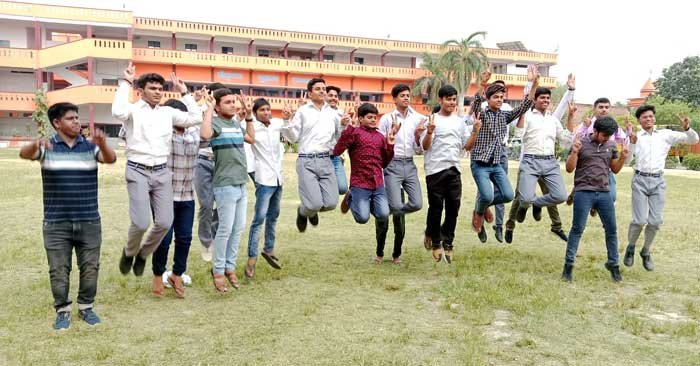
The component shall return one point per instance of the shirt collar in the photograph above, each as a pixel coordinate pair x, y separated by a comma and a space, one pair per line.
57, 140
142, 104
654, 130
409, 111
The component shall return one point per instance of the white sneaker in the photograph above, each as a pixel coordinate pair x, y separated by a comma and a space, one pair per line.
186, 279
207, 252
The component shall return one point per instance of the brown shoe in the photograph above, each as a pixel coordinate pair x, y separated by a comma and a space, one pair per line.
396, 260
488, 215
345, 205
231, 275
219, 282
427, 242
177, 284
157, 287
477, 222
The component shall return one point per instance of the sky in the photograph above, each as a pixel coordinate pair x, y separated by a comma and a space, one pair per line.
612, 47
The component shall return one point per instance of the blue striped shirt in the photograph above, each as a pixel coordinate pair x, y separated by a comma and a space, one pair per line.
69, 176
230, 168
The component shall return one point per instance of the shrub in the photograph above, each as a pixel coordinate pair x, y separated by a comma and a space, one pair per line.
692, 161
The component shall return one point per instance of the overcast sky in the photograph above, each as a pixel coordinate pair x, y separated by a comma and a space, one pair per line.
612, 46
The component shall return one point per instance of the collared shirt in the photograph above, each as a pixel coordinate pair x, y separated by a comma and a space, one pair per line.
337, 133
229, 155
405, 141
540, 133
268, 153
313, 128
249, 157
494, 128
182, 160
505, 107
593, 165
149, 130
651, 148
369, 155
69, 179
449, 137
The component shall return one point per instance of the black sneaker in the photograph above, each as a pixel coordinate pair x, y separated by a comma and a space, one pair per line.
314, 220
647, 262
139, 265
614, 272
62, 320
520, 215
301, 223
566, 275
561, 234
482, 234
537, 213
629, 256
499, 233
509, 236
125, 263
89, 316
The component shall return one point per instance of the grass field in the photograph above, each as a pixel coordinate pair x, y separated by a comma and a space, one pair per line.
496, 304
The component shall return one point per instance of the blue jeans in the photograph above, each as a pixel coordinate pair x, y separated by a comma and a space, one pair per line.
231, 204
365, 201
182, 227
206, 215
584, 201
501, 191
267, 210
500, 208
340, 175
612, 186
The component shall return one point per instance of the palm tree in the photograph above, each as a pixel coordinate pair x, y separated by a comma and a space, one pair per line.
430, 84
463, 61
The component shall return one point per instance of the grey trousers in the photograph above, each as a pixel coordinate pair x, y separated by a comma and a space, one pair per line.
150, 195
648, 199
530, 171
206, 215
402, 173
552, 211
318, 188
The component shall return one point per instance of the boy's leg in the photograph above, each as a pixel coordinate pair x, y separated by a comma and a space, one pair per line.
411, 186
203, 176
453, 197
159, 260
162, 203
340, 175
583, 201
182, 224
309, 188
606, 211
59, 251
263, 194
327, 183
360, 200
138, 188
88, 240
436, 196
240, 209
226, 206
273, 212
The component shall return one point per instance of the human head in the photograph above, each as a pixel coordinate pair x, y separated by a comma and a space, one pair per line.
262, 110
367, 114
332, 95
542, 99
64, 119
601, 107
151, 88
495, 94
646, 115
225, 103
402, 95
603, 128
448, 99
316, 89
215, 86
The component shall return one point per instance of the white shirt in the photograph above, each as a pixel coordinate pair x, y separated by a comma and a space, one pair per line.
405, 141
149, 131
249, 157
313, 128
541, 132
336, 135
449, 137
651, 148
268, 153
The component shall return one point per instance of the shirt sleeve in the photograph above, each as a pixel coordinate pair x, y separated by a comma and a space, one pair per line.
292, 129
387, 154
192, 117
121, 108
346, 139
520, 110
564, 136
687, 137
563, 103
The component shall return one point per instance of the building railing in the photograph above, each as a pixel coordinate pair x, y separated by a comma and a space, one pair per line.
66, 13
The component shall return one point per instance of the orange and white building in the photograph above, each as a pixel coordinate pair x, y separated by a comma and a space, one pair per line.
77, 54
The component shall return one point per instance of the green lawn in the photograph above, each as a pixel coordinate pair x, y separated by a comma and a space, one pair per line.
496, 305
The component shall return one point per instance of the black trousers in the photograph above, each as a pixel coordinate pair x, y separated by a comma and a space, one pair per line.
381, 229
444, 191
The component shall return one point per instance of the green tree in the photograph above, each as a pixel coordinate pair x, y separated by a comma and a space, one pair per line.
681, 82
428, 86
40, 115
462, 61
667, 112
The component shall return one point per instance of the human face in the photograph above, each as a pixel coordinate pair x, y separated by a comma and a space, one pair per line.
601, 110
403, 99
369, 120
317, 94
152, 93
263, 114
68, 125
332, 98
542, 102
647, 120
600, 138
448, 104
226, 108
496, 101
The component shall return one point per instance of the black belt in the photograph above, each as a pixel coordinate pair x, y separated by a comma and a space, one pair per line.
643, 174
154, 168
205, 157
539, 157
403, 158
316, 155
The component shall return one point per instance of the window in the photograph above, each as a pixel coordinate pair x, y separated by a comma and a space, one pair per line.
227, 50
153, 44
190, 47
359, 60
65, 37
263, 53
521, 66
328, 58
4, 43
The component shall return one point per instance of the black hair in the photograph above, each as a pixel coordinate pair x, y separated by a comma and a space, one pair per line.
493, 89
174, 103
447, 91
220, 93
601, 100
644, 108
215, 86
499, 82
542, 90
58, 110
149, 78
310, 84
398, 89
436, 109
259, 103
605, 125
331, 87
366, 109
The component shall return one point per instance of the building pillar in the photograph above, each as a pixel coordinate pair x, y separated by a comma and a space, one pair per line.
174, 43
91, 118
211, 45
89, 31
320, 53
381, 59
352, 56
250, 47
285, 50
37, 35
91, 70
413, 62
129, 34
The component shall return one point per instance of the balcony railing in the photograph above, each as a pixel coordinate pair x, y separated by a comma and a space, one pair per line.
17, 101
92, 47
66, 13
18, 57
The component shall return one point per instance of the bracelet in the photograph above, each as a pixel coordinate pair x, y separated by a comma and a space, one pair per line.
130, 82
249, 120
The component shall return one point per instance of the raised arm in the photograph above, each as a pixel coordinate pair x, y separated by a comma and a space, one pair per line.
476, 126
247, 112
527, 103
205, 131
291, 129
689, 136
347, 138
193, 116
388, 147
428, 134
573, 154
617, 164
567, 98
106, 154
121, 108
33, 150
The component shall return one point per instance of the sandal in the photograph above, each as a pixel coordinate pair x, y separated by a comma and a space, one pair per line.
249, 271
219, 282
271, 260
378, 260
396, 260
233, 279
427, 242
437, 255
448, 256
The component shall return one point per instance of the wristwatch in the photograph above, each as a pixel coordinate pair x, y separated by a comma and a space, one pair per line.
185, 93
